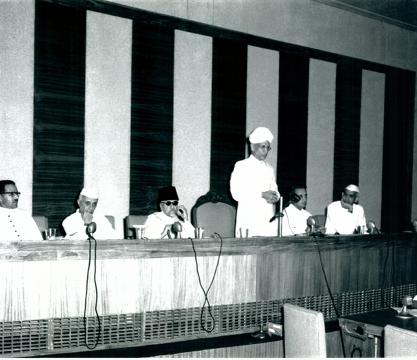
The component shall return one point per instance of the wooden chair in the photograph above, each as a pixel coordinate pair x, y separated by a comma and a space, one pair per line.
304, 333
111, 220
212, 213
320, 220
42, 222
399, 342
131, 220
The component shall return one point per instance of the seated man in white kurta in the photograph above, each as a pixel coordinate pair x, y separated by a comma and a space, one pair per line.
294, 221
253, 186
172, 221
15, 224
345, 216
75, 225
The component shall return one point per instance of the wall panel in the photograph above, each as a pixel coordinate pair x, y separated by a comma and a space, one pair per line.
262, 94
347, 126
320, 141
58, 165
107, 112
192, 116
16, 96
371, 144
151, 115
228, 111
398, 150
293, 112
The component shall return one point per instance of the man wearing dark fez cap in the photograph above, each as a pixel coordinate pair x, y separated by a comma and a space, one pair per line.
172, 218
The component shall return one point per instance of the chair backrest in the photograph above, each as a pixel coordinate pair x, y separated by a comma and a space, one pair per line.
216, 217
42, 222
131, 220
304, 332
320, 219
399, 342
111, 220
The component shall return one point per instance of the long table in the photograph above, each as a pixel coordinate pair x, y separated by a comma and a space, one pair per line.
149, 292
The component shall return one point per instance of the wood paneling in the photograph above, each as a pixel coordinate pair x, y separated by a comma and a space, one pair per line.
228, 122
347, 126
58, 165
397, 164
293, 118
152, 115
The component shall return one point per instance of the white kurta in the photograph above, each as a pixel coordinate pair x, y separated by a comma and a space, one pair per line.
18, 225
294, 221
340, 220
75, 229
249, 179
155, 226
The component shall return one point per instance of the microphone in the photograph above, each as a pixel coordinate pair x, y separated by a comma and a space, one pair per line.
372, 229
311, 223
176, 228
180, 215
91, 228
276, 216
406, 301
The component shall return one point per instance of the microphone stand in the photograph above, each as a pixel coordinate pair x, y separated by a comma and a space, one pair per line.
281, 215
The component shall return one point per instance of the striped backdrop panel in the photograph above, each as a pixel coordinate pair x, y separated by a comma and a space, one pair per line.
192, 116
107, 112
16, 96
228, 131
184, 86
151, 115
398, 150
347, 126
371, 144
293, 115
262, 94
320, 141
58, 149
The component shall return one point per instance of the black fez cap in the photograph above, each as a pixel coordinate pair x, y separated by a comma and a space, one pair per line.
167, 193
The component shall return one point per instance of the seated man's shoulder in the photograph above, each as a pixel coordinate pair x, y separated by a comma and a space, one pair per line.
333, 204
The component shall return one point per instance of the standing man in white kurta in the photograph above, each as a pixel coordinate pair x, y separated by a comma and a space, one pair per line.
253, 186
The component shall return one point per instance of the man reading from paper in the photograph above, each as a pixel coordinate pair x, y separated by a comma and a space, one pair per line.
254, 187
345, 216
75, 225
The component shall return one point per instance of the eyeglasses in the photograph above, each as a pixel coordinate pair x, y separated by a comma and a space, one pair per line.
12, 193
168, 203
264, 147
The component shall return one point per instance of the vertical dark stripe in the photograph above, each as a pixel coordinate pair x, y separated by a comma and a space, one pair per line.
152, 115
397, 172
58, 167
293, 119
347, 126
228, 124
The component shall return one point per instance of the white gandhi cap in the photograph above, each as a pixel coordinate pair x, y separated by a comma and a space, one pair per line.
89, 192
352, 187
260, 134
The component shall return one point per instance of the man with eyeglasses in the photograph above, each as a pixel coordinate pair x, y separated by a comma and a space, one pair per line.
15, 224
172, 221
253, 186
75, 225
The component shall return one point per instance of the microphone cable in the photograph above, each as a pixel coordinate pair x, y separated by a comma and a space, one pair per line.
206, 300
330, 293
288, 220
96, 292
